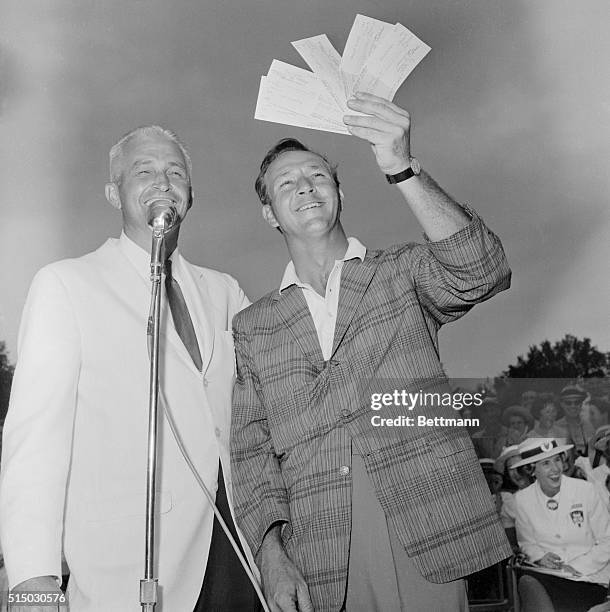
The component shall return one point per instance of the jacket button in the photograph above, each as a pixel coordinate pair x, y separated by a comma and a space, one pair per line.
344, 470
205, 382
217, 432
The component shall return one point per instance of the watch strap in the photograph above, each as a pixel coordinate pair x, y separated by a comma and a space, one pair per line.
400, 177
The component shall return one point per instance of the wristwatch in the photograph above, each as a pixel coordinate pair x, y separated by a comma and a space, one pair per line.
414, 169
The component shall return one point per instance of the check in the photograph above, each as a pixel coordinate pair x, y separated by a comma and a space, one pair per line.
377, 58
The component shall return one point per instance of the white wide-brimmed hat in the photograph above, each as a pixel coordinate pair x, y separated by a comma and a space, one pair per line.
488, 466
505, 455
533, 450
601, 438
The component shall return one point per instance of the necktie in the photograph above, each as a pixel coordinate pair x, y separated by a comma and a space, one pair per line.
180, 315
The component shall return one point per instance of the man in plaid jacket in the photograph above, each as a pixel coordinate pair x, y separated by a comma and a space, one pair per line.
345, 514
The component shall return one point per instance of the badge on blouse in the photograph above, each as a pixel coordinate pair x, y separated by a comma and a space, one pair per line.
552, 504
577, 517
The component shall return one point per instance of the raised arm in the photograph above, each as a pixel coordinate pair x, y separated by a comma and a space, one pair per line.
386, 127
462, 262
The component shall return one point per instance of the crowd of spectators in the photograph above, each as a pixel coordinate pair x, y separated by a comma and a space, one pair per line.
560, 439
547, 464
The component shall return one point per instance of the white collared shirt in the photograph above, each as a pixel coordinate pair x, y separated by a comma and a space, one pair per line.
141, 261
141, 258
323, 309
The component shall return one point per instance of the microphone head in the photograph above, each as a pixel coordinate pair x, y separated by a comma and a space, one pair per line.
162, 215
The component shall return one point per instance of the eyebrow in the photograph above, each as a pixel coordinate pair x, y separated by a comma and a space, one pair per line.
144, 161
309, 167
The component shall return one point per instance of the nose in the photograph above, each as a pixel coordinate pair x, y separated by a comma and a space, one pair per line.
161, 181
304, 185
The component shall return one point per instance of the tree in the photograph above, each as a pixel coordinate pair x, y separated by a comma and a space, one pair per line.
567, 358
549, 367
6, 378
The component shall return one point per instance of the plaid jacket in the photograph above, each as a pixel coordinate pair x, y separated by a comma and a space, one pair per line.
295, 416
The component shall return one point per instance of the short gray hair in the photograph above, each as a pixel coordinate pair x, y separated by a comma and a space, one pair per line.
116, 152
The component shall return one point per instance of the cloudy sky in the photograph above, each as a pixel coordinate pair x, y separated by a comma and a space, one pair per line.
511, 113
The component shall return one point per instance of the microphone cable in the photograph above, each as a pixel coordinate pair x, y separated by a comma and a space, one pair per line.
172, 425
174, 429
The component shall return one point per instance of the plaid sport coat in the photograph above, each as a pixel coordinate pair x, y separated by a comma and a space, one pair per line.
296, 416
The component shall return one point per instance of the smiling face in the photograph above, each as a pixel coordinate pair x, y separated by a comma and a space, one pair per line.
548, 414
548, 474
153, 170
304, 197
517, 422
571, 405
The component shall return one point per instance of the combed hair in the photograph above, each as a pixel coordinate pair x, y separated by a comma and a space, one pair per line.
283, 146
543, 400
116, 152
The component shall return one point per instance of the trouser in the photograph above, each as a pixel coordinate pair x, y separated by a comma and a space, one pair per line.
226, 587
381, 576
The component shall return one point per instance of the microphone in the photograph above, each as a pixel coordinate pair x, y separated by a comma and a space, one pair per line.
162, 216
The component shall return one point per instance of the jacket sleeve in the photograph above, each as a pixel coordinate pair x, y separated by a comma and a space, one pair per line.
526, 533
261, 498
454, 274
240, 299
38, 432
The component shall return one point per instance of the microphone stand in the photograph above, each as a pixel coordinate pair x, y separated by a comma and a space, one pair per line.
149, 585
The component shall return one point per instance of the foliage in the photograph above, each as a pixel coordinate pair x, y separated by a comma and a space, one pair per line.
567, 358
550, 367
6, 377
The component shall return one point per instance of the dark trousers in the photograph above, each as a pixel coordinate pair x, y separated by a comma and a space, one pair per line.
226, 587
565, 595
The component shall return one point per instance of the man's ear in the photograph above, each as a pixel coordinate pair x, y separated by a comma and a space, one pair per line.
112, 195
191, 197
341, 198
268, 216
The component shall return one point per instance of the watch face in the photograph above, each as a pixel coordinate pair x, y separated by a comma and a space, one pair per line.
415, 166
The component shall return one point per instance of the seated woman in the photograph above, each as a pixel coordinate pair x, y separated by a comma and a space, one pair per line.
513, 480
562, 526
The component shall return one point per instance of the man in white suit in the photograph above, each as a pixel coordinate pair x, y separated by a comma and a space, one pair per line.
74, 455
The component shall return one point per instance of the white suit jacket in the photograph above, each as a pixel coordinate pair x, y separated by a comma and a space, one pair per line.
75, 439
578, 530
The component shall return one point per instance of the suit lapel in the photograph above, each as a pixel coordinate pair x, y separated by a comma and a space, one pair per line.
356, 277
294, 312
199, 308
169, 338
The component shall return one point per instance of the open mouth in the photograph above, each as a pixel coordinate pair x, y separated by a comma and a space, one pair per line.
309, 206
157, 200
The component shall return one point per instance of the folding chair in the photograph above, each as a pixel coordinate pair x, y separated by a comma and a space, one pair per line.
502, 590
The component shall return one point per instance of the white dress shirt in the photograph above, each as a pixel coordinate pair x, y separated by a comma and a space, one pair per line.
323, 309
